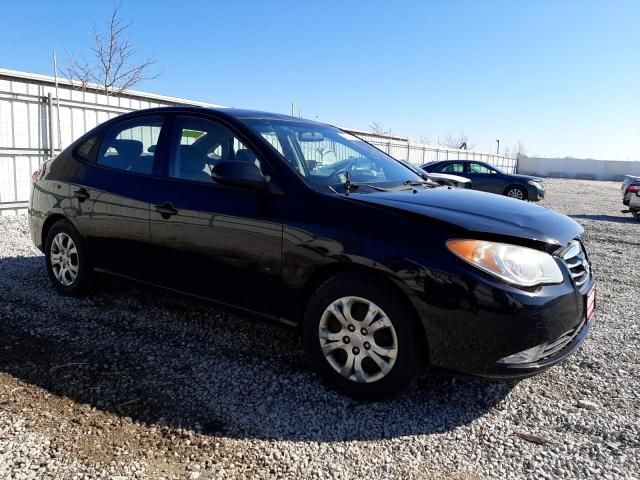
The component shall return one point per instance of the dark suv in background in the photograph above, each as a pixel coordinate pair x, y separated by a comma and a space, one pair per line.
304, 223
488, 178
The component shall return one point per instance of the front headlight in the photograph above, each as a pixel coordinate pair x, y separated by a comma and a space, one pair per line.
536, 184
517, 265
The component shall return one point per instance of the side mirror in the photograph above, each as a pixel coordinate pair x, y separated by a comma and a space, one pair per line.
239, 174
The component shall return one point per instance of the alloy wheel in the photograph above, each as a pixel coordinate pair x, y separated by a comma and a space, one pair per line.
515, 193
64, 259
358, 339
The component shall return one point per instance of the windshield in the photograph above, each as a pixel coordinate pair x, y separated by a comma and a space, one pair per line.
330, 158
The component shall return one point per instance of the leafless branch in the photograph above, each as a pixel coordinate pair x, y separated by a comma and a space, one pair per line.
458, 141
115, 68
379, 129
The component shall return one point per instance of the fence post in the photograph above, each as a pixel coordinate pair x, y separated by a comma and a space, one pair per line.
50, 122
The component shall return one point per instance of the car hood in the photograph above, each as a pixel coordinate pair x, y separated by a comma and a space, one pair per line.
526, 177
480, 212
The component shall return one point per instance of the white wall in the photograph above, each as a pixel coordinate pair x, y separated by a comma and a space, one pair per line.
578, 168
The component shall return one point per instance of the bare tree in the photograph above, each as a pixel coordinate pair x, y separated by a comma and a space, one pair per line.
459, 141
113, 67
519, 149
424, 139
379, 129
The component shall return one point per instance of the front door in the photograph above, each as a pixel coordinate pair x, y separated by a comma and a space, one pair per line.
215, 241
485, 178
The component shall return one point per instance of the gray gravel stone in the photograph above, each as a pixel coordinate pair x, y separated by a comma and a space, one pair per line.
131, 382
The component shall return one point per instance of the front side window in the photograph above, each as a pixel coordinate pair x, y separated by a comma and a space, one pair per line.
456, 167
326, 156
199, 144
481, 168
131, 145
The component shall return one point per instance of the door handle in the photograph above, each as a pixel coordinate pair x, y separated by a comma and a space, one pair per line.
81, 194
166, 210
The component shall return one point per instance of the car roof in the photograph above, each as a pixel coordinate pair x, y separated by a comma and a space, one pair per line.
237, 113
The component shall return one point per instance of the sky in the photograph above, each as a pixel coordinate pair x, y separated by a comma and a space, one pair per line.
562, 77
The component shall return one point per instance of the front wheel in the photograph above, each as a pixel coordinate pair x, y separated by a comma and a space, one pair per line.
68, 263
516, 192
360, 337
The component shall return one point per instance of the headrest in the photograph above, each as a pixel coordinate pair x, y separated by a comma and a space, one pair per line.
127, 148
191, 159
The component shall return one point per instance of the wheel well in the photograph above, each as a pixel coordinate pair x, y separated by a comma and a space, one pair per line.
48, 223
324, 274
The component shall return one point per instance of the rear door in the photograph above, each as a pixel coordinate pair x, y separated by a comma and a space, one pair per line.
215, 241
111, 204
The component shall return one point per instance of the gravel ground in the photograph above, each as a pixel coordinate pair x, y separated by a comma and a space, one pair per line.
131, 382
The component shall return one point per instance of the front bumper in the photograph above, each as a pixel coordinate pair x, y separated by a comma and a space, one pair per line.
521, 370
536, 194
473, 323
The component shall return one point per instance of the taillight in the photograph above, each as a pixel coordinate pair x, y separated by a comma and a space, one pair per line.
633, 188
36, 175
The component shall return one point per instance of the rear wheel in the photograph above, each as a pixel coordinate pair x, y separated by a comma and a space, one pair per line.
68, 263
516, 192
360, 337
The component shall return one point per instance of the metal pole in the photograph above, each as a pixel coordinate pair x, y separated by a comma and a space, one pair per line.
55, 71
50, 122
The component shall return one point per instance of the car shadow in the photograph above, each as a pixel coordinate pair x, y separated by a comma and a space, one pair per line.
605, 218
166, 359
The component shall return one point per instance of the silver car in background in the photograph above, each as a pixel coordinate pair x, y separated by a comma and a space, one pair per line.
448, 180
631, 195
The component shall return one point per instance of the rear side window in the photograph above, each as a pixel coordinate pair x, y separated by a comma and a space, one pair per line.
131, 145
453, 168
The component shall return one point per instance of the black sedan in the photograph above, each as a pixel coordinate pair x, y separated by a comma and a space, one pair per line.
491, 179
377, 266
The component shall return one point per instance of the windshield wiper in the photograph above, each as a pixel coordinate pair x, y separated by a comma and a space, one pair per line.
425, 183
379, 189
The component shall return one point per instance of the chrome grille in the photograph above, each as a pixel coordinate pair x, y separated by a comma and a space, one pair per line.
576, 259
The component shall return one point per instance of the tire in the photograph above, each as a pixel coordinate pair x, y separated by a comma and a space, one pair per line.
396, 335
68, 263
514, 191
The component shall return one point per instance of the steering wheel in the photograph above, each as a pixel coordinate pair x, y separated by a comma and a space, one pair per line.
334, 177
